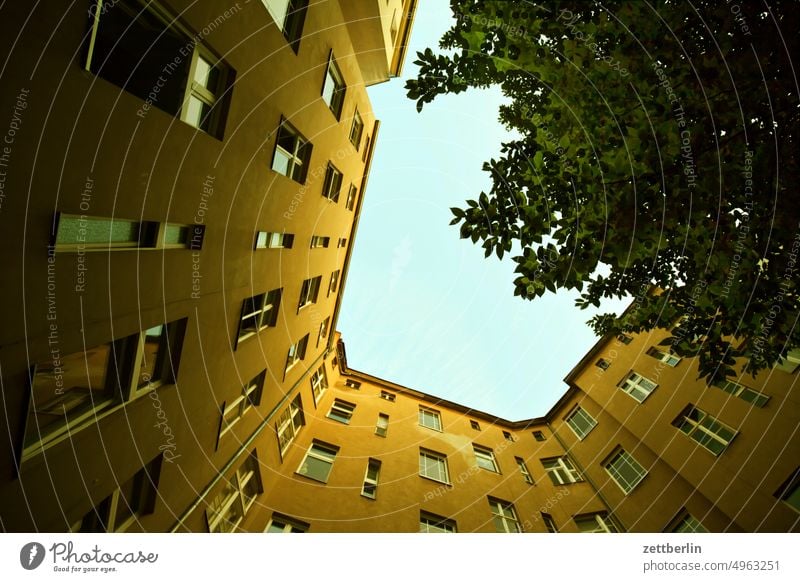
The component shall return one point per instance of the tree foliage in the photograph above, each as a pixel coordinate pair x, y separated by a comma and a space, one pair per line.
657, 149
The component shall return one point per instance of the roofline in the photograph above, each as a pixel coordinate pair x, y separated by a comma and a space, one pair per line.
431, 398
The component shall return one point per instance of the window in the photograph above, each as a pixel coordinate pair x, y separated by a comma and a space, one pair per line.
342, 243
297, 352
395, 27
126, 505
352, 194
539, 436
504, 516
67, 393
283, 524
637, 387
508, 436
147, 53
334, 283
433, 466
705, 429
523, 468
292, 153
333, 88
624, 338
366, 149
356, 130
382, 427
323, 330
289, 15
332, 184
485, 458
603, 364
789, 491
341, 411
309, 292
289, 424
258, 312
388, 396
318, 461
549, 523
474, 424
561, 471
319, 383
320, 242
625, 470
661, 356
75, 232
370, 486
228, 509
249, 397
432, 523
741, 391
790, 363
581, 422
430, 418
685, 523
182, 236
350, 383
595, 523
274, 240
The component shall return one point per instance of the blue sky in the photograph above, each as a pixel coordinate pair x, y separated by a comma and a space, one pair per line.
422, 307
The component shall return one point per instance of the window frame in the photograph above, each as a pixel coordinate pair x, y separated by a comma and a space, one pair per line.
339, 92
789, 491
319, 384
578, 410
249, 471
441, 460
486, 455
298, 159
333, 284
382, 428
249, 398
388, 396
293, 22
369, 488
497, 507
738, 390
332, 183
630, 386
297, 353
685, 522
309, 292
563, 468
352, 195
341, 411
440, 524
281, 240
291, 421
696, 427
602, 520
332, 450
667, 358
627, 461
523, 468
356, 130
289, 524
425, 412
266, 308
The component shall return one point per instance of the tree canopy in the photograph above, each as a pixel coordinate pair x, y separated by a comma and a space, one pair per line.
657, 149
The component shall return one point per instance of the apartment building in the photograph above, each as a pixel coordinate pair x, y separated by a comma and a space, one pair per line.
636, 444
187, 179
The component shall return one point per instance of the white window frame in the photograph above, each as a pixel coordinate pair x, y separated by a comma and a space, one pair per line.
356, 130
309, 292
634, 383
753, 397
510, 523
341, 411
485, 455
296, 162
441, 463
549, 523
274, 240
670, 360
426, 413
247, 472
320, 242
382, 425
432, 523
561, 471
289, 423
388, 396
603, 523
249, 398
313, 452
579, 413
332, 184
319, 383
339, 91
352, 194
523, 468
369, 488
697, 428
333, 285
617, 466
203, 93
686, 523
266, 306
287, 524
